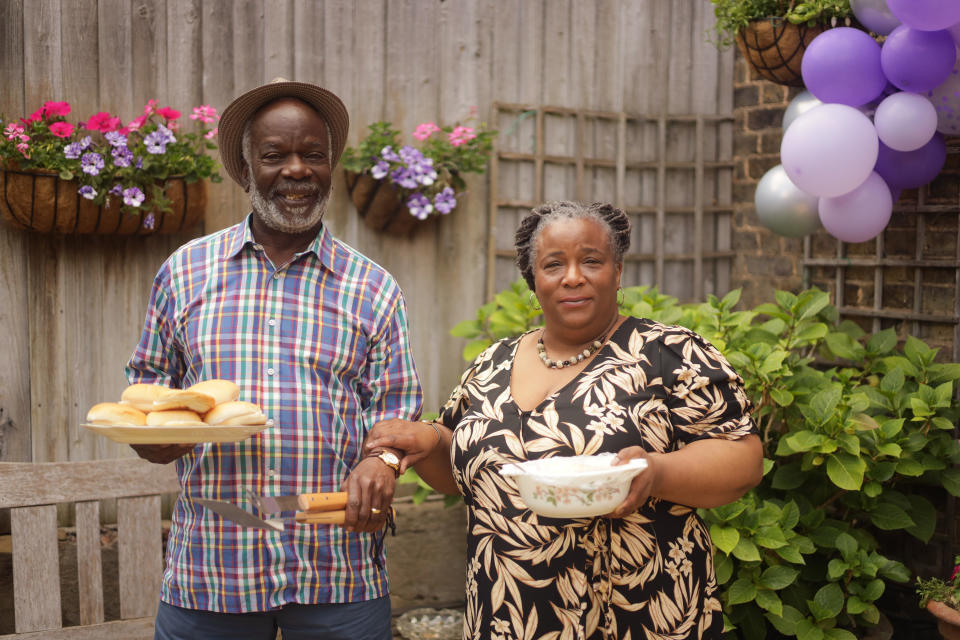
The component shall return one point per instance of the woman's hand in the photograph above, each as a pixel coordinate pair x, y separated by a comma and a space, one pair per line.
416, 440
644, 484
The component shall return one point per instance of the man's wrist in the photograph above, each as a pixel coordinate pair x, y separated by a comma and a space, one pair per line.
387, 457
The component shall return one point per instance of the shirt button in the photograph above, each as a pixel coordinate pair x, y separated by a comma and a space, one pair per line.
258, 247
271, 322
276, 276
271, 472
271, 371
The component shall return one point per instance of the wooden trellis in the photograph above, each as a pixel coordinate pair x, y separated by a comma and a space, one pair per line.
672, 174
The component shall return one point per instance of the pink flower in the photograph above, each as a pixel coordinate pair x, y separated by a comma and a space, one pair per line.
205, 114
53, 109
425, 130
461, 135
168, 114
212, 133
36, 115
956, 570
61, 129
136, 123
24, 149
103, 122
150, 107
13, 130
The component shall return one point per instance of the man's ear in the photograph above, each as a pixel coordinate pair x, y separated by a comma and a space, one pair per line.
245, 176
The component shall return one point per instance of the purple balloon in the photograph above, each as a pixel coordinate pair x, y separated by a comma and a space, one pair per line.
917, 61
843, 65
926, 15
859, 215
912, 169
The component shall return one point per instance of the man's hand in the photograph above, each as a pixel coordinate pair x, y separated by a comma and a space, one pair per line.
162, 453
370, 489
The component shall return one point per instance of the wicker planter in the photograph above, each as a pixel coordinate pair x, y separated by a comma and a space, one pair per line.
40, 201
948, 619
774, 48
379, 204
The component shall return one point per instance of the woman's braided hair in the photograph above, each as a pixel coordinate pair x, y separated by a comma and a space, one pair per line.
525, 240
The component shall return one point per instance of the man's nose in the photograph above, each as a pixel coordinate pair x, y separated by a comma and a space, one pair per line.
295, 167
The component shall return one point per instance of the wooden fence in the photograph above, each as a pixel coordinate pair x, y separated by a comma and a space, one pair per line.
71, 308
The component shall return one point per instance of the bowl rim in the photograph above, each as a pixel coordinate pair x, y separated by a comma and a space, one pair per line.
516, 469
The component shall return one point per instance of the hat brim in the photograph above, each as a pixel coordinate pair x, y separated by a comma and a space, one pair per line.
235, 118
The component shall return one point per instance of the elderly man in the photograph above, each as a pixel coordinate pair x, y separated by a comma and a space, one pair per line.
314, 333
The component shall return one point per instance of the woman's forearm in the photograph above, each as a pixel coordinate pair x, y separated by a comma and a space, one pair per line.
435, 469
709, 473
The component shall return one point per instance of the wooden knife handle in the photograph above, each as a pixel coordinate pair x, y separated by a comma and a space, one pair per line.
320, 517
332, 501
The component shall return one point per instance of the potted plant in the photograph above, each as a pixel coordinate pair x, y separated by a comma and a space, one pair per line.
942, 599
396, 187
101, 176
773, 34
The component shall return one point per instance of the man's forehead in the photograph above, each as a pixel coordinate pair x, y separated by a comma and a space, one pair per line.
289, 107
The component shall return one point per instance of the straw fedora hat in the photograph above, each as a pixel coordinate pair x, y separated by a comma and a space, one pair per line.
235, 117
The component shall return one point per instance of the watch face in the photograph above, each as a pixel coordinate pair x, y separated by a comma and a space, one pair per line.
390, 457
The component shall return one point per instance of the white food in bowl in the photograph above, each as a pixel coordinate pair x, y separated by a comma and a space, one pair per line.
573, 486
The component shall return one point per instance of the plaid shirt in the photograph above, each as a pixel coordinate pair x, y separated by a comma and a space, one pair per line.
321, 345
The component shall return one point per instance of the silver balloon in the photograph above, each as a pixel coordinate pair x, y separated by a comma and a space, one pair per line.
874, 15
805, 101
783, 208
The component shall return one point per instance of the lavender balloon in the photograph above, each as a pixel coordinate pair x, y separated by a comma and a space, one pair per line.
946, 101
874, 15
912, 169
926, 15
843, 65
859, 215
905, 121
917, 61
783, 208
829, 150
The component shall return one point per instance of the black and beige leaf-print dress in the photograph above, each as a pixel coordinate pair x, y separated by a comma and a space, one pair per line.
646, 576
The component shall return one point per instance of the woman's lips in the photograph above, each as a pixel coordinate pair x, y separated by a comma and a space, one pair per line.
574, 302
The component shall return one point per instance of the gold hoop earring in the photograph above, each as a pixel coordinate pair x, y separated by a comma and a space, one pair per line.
535, 302
619, 296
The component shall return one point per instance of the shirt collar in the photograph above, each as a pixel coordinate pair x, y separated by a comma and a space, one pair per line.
241, 236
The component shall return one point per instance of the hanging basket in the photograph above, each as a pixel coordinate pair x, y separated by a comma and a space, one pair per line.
774, 48
41, 201
378, 203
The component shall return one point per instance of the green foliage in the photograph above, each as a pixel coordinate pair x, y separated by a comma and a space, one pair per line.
851, 447
734, 15
945, 591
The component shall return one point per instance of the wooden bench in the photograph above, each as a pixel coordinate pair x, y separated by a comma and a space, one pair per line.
32, 492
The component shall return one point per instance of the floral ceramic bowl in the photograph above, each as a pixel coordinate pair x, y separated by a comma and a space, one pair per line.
573, 486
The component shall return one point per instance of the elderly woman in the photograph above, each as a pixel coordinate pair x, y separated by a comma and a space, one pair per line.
590, 381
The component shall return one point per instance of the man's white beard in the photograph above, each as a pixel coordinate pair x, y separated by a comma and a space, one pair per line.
299, 219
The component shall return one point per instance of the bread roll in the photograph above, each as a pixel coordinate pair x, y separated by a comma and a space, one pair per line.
235, 413
114, 413
141, 396
182, 399
175, 418
221, 390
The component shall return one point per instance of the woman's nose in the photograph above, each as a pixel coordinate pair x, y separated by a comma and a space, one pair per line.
572, 276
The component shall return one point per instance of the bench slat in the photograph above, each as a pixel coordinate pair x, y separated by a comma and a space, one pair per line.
36, 568
89, 563
139, 629
140, 556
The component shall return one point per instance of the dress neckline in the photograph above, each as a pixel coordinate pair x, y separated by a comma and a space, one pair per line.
590, 365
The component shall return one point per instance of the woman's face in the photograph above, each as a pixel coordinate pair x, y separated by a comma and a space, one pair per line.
575, 274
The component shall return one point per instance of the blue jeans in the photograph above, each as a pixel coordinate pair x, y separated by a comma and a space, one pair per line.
368, 620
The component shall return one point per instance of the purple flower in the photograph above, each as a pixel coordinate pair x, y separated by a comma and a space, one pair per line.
404, 177
444, 202
116, 190
419, 206
139, 163
424, 173
156, 143
73, 150
87, 192
379, 170
149, 221
116, 139
132, 197
85, 143
411, 155
91, 163
122, 156
388, 154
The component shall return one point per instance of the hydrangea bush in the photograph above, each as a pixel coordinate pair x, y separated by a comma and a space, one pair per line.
429, 178
110, 160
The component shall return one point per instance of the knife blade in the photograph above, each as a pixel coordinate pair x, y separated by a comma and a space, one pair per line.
235, 514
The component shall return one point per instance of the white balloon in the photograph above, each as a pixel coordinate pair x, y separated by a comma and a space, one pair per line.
783, 208
830, 150
905, 121
803, 102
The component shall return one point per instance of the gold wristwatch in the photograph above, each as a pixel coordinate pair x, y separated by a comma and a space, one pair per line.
391, 460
